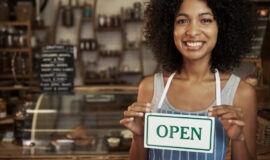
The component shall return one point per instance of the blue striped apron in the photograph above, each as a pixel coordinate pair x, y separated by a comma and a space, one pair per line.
220, 136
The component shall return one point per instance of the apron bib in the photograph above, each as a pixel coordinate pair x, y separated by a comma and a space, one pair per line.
220, 136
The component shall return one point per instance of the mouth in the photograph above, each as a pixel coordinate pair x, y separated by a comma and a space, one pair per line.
194, 45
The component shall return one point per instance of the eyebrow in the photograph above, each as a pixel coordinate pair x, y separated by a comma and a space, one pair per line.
201, 14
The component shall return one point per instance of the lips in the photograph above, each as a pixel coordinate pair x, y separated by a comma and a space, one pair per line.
194, 45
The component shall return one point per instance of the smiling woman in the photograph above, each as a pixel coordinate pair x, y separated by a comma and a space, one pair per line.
197, 43
195, 30
232, 28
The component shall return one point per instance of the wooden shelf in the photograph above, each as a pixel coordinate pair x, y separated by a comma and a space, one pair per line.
132, 48
19, 87
143, 42
17, 76
15, 23
91, 50
109, 29
118, 55
86, 19
110, 56
133, 20
36, 27
73, 7
102, 88
129, 73
103, 80
16, 102
138, 49
14, 49
256, 60
7, 120
27, 50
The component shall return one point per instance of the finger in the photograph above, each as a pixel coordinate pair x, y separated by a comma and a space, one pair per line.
139, 109
231, 115
126, 120
237, 122
146, 107
142, 104
225, 111
133, 114
237, 109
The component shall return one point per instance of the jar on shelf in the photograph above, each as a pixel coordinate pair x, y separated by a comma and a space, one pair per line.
10, 37
22, 39
128, 13
108, 22
3, 36
3, 108
87, 10
113, 19
102, 20
137, 10
37, 60
18, 62
23, 120
87, 44
6, 62
93, 44
16, 36
25, 64
82, 44
19, 126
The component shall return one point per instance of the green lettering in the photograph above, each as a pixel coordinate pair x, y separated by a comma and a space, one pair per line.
174, 129
199, 135
183, 133
158, 131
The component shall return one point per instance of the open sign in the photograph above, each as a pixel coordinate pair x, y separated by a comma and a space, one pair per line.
179, 132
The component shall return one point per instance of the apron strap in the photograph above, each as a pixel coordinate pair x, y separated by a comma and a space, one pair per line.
218, 92
165, 90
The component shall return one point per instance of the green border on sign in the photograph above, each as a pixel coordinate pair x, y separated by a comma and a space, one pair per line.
180, 118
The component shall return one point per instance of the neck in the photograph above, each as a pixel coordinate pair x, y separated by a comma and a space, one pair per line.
196, 71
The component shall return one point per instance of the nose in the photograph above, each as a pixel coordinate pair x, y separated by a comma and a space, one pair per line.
193, 29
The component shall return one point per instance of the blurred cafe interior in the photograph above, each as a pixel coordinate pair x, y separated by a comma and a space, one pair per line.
69, 68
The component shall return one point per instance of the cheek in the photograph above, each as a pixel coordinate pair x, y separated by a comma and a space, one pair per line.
176, 37
213, 33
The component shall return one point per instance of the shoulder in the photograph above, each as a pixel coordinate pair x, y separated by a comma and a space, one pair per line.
146, 89
245, 90
245, 95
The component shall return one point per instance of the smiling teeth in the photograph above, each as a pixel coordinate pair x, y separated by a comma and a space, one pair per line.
194, 44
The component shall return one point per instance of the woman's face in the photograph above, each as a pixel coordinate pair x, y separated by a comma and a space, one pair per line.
195, 30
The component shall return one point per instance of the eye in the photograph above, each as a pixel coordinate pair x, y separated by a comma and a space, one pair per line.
182, 21
206, 20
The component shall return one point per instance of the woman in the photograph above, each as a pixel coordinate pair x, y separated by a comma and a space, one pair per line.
199, 41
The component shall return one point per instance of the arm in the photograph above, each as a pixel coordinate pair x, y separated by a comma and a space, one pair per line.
134, 119
246, 98
239, 121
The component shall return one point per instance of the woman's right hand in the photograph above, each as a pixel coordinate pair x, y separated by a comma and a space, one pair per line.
134, 117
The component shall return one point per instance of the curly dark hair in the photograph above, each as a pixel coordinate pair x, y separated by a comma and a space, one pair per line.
235, 25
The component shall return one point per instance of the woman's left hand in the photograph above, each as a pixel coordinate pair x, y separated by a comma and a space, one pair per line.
231, 117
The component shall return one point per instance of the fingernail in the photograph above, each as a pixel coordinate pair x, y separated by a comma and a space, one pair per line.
140, 114
147, 109
210, 109
209, 113
230, 121
131, 118
148, 104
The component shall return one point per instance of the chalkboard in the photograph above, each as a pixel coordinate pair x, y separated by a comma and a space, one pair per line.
57, 69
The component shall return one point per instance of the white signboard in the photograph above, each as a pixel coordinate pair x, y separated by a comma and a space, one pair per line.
179, 132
